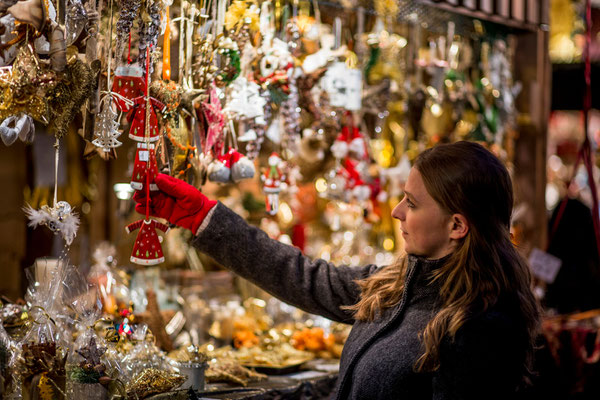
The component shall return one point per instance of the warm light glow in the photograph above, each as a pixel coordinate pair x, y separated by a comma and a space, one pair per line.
388, 244
401, 42
436, 110
285, 213
321, 185
123, 191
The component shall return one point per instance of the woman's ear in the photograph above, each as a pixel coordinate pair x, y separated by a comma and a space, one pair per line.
460, 227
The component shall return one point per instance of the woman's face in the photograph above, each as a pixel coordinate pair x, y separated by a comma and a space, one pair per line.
425, 226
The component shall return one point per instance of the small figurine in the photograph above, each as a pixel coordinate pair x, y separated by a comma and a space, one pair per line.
273, 177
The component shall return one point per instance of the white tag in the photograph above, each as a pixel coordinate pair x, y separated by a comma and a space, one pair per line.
344, 86
143, 155
544, 266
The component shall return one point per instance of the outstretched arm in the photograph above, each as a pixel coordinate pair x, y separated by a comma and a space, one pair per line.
315, 286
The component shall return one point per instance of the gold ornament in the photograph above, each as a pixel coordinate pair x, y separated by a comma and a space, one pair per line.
23, 87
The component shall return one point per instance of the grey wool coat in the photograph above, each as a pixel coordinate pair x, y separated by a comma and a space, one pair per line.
484, 361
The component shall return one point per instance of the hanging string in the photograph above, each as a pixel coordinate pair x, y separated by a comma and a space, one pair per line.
147, 131
181, 42
108, 62
56, 158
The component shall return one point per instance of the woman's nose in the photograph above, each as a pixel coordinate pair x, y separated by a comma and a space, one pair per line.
398, 212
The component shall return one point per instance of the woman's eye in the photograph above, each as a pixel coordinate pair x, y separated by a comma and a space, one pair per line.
410, 204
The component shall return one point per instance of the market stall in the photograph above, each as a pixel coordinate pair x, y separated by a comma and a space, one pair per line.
304, 117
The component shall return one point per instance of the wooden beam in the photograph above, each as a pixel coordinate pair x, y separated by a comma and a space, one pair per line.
478, 14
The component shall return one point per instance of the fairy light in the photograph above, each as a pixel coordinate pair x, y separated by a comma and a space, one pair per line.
285, 213
321, 185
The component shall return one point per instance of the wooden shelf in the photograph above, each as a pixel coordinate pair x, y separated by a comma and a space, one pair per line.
484, 16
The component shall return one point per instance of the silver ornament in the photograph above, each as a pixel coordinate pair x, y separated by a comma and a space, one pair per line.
106, 129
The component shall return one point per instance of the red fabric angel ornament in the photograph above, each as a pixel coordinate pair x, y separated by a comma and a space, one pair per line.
128, 84
137, 117
145, 163
147, 249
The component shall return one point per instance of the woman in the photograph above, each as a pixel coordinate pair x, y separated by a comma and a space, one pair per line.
454, 319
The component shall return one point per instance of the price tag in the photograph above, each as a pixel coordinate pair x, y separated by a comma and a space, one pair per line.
544, 266
143, 155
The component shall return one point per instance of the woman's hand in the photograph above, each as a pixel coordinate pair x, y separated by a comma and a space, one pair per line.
176, 201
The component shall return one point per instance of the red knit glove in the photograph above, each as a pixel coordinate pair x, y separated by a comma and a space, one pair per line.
178, 202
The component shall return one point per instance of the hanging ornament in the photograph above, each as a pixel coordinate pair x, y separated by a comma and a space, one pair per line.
215, 119
344, 86
129, 10
149, 23
128, 84
147, 249
137, 118
106, 129
230, 61
219, 170
245, 100
145, 163
355, 185
17, 126
272, 179
241, 166
241, 19
290, 111
60, 218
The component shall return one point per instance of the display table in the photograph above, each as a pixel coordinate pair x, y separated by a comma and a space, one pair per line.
315, 381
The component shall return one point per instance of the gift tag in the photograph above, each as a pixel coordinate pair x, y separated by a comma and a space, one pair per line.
544, 266
143, 155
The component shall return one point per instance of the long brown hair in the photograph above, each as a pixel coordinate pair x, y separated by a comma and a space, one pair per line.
467, 179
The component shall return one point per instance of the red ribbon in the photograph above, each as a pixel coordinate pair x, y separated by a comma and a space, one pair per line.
146, 133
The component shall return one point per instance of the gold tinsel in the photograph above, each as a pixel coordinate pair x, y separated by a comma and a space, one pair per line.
152, 381
23, 89
68, 96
